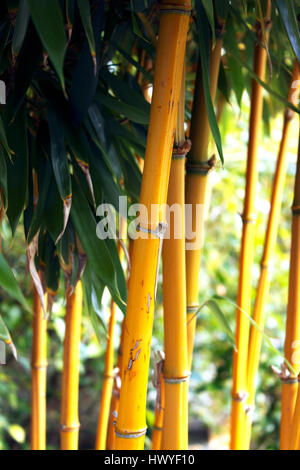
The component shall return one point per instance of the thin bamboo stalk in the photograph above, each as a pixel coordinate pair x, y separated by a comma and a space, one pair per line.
239, 388
114, 408
115, 400
292, 339
38, 376
108, 380
159, 418
131, 422
269, 247
197, 186
294, 443
70, 377
175, 422
108, 377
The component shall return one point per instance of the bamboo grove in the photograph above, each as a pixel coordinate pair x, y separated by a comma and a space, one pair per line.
106, 101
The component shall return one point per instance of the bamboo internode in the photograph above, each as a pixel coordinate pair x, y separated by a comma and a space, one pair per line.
269, 247
175, 430
70, 377
197, 185
239, 388
292, 339
131, 423
38, 376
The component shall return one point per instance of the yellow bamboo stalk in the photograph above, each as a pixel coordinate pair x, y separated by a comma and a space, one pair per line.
108, 380
38, 376
176, 375
131, 422
159, 418
115, 399
294, 443
70, 377
108, 377
197, 186
269, 247
239, 388
292, 339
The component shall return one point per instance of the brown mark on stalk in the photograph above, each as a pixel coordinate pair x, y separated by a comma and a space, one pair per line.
133, 359
148, 303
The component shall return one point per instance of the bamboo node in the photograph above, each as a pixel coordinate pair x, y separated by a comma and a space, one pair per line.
249, 410
157, 376
296, 210
284, 375
201, 168
132, 435
177, 9
249, 219
70, 428
289, 114
176, 380
240, 396
41, 365
180, 151
192, 309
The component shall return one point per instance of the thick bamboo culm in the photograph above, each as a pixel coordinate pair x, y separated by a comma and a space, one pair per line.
70, 378
38, 376
269, 248
175, 371
197, 186
108, 376
240, 358
131, 423
292, 338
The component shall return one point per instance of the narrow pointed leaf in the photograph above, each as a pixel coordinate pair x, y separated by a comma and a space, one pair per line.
9, 283
85, 14
48, 20
289, 19
21, 27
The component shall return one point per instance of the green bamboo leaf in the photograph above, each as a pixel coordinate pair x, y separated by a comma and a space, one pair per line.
125, 92
263, 84
209, 10
264, 335
221, 318
6, 337
3, 178
9, 283
96, 249
287, 12
85, 14
133, 113
136, 64
204, 41
21, 27
48, 20
52, 266
58, 154
17, 167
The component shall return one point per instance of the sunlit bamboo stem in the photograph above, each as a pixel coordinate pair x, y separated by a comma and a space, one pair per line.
292, 338
175, 423
38, 376
197, 187
108, 377
131, 422
269, 248
70, 377
239, 388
